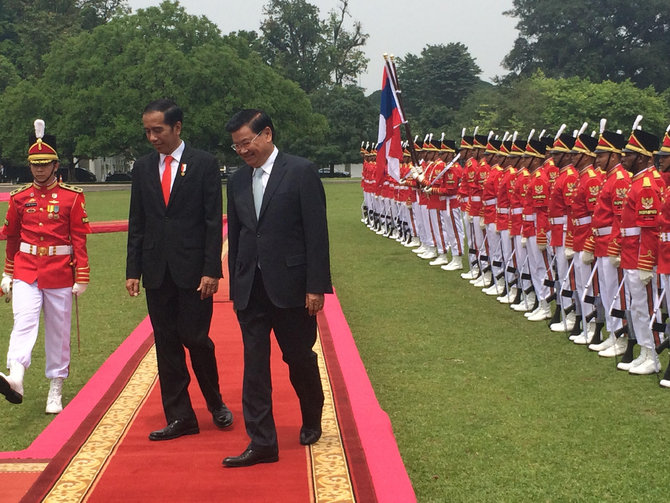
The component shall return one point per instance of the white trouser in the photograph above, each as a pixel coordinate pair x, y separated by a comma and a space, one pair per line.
27, 302
582, 273
418, 221
467, 227
639, 307
493, 238
608, 280
506, 246
453, 227
427, 238
437, 232
538, 268
521, 254
562, 267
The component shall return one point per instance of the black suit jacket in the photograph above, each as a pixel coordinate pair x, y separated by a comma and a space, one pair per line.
186, 236
289, 239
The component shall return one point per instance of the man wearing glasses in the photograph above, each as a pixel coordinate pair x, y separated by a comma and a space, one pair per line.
174, 245
279, 271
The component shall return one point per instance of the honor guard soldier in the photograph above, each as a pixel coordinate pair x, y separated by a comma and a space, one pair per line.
606, 214
663, 160
639, 246
46, 263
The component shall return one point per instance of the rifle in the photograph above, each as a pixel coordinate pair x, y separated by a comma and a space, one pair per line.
451, 163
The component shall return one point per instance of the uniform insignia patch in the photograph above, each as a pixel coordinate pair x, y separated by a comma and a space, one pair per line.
647, 202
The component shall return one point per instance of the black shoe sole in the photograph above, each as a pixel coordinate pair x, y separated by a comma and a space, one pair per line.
272, 459
10, 395
222, 425
191, 431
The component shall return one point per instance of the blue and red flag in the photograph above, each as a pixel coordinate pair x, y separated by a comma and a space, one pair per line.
389, 144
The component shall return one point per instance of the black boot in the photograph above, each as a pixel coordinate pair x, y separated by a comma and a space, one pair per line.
597, 337
577, 329
627, 357
556, 317
666, 376
517, 299
663, 345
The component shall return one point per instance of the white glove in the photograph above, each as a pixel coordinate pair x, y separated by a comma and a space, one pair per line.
587, 257
421, 178
542, 246
482, 225
615, 260
79, 288
6, 283
645, 276
471, 219
524, 241
569, 253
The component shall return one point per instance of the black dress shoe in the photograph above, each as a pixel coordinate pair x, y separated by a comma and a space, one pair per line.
251, 457
222, 416
175, 429
309, 436
10, 395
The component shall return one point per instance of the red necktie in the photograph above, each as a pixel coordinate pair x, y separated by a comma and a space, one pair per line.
167, 178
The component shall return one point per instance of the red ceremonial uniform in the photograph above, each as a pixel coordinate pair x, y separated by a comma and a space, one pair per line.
640, 220
607, 212
539, 191
582, 207
504, 198
481, 171
39, 219
559, 202
490, 194
517, 201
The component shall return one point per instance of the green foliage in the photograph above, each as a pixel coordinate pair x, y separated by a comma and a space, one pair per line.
308, 50
351, 119
29, 28
614, 40
540, 102
435, 83
95, 87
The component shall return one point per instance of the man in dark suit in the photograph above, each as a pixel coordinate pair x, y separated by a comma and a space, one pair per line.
279, 270
174, 245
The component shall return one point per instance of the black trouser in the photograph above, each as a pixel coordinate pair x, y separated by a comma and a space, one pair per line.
295, 331
181, 320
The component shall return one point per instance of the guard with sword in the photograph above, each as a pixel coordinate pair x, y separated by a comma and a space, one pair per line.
639, 245
46, 265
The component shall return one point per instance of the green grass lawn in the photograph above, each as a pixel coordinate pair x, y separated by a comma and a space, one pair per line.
486, 406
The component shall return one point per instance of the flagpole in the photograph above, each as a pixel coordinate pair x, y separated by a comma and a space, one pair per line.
391, 69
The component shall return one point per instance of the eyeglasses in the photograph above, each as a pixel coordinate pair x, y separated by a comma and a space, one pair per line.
245, 144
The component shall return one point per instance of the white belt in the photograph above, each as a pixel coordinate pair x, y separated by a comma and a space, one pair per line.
491, 202
45, 250
530, 218
581, 221
465, 199
630, 231
517, 211
449, 198
503, 211
558, 220
664, 237
475, 199
603, 231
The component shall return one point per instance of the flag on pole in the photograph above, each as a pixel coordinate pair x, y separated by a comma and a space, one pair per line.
389, 147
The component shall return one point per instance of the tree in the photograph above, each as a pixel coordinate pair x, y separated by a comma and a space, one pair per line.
293, 42
310, 51
538, 102
347, 60
29, 28
435, 83
614, 40
96, 85
351, 119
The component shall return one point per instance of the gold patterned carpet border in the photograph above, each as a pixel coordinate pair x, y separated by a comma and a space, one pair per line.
330, 474
87, 464
329, 471
22, 467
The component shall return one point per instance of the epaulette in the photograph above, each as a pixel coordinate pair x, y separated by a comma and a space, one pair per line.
538, 174
656, 174
20, 189
73, 188
619, 175
646, 182
591, 172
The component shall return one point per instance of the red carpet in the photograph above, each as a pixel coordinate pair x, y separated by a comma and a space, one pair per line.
97, 449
